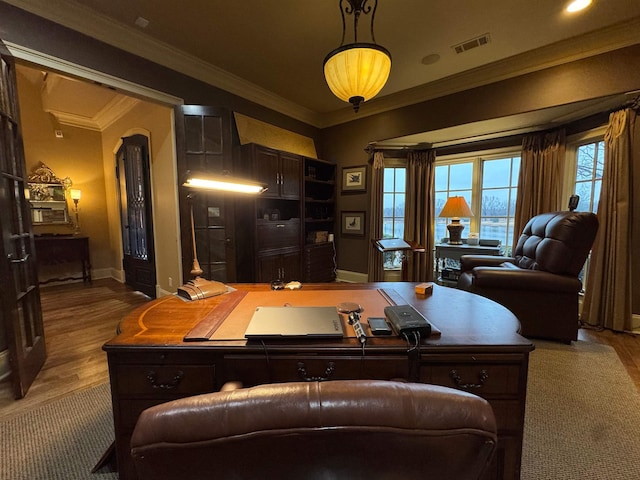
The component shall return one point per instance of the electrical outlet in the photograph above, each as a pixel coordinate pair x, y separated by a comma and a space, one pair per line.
170, 282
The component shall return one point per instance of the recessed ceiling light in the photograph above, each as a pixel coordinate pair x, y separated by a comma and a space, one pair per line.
431, 59
577, 5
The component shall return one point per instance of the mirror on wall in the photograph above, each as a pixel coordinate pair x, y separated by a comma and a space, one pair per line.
47, 195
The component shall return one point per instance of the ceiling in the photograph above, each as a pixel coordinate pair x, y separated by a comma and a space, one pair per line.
271, 51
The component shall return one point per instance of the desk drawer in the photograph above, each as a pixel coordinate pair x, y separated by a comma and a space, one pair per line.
478, 378
255, 370
165, 380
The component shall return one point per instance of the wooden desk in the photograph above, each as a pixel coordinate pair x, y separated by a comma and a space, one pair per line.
478, 351
58, 249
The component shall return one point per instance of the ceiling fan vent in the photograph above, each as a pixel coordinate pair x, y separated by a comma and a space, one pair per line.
473, 43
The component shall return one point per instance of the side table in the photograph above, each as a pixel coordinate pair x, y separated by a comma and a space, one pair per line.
445, 251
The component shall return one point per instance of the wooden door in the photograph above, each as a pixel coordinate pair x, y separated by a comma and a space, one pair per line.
203, 139
134, 181
21, 327
266, 170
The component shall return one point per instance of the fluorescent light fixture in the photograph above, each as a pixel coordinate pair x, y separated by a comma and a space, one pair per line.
577, 5
224, 183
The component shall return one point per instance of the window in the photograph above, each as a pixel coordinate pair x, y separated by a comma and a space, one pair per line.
452, 179
498, 199
588, 180
393, 200
589, 166
489, 185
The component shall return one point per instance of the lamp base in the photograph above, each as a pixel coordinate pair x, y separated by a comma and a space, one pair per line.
200, 288
455, 232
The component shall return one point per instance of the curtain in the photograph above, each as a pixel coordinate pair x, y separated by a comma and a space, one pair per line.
419, 209
376, 268
541, 177
608, 300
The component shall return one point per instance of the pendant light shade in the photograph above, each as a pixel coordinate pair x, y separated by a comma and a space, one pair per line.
356, 72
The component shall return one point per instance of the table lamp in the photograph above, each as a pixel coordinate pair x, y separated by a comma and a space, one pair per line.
455, 208
75, 196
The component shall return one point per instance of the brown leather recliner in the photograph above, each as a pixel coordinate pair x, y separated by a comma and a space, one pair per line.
540, 283
360, 429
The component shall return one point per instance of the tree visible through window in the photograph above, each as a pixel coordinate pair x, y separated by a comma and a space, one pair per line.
589, 168
393, 200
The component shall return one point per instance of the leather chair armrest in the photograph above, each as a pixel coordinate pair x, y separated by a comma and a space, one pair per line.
229, 386
522, 279
468, 262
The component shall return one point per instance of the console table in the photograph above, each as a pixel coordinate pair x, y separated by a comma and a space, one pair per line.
478, 350
59, 249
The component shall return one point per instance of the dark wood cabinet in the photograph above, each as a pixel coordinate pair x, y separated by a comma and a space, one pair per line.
280, 171
319, 262
282, 266
297, 209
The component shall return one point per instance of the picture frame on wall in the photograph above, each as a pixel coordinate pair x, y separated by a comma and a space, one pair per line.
353, 223
354, 179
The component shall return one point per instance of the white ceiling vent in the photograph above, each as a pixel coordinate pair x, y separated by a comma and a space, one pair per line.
473, 43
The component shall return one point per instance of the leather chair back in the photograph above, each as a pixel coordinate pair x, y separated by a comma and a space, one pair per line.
361, 429
556, 242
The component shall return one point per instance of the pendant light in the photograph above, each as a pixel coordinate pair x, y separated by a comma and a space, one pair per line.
356, 72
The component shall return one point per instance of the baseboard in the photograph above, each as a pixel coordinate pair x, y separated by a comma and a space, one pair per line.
351, 277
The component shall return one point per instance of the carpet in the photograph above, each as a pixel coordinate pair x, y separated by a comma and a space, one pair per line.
582, 422
582, 417
62, 440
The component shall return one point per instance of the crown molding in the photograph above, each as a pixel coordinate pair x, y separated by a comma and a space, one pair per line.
601, 41
111, 112
84, 20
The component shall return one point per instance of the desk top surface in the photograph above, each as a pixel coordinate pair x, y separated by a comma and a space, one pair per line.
465, 320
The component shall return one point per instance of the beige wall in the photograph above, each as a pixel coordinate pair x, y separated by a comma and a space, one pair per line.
155, 122
88, 158
77, 155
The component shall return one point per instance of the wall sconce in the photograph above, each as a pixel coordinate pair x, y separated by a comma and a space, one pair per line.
75, 196
455, 208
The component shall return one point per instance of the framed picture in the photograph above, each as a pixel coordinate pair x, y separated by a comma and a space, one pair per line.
353, 223
354, 179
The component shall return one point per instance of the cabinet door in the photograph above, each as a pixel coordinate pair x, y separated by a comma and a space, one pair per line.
289, 176
269, 268
266, 170
279, 266
291, 266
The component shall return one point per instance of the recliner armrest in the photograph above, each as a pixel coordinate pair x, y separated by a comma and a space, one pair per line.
468, 262
522, 279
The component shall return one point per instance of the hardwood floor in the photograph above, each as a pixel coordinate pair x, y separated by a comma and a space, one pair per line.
79, 319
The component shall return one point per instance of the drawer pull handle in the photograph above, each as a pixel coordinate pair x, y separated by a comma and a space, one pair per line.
175, 381
280, 225
483, 377
302, 371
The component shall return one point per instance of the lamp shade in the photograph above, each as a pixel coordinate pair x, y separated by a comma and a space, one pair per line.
456, 207
356, 72
76, 194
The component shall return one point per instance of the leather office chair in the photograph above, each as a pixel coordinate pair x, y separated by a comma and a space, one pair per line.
540, 283
360, 429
